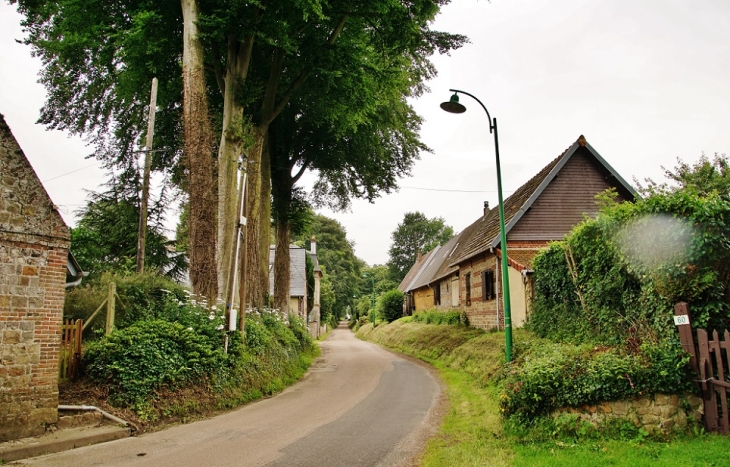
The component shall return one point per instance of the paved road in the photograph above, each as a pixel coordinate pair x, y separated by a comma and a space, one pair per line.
358, 406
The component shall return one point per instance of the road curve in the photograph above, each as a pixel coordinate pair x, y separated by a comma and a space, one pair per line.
359, 405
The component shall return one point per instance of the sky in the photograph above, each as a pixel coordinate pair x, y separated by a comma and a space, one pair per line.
646, 82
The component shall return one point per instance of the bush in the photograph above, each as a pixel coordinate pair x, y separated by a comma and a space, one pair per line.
390, 305
143, 297
454, 318
135, 361
555, 375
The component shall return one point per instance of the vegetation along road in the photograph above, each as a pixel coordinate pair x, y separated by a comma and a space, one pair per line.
358, 406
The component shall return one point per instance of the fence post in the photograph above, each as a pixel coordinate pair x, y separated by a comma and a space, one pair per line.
685, 334
110, 308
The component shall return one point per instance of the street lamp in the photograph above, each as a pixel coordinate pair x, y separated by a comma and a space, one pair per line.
453, 106
372, 298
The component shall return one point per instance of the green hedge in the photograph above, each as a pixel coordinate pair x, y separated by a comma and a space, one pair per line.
556, 375
454, 318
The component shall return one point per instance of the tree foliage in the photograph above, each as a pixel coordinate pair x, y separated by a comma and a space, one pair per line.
415, 234
335, 252
703, 177
106, 235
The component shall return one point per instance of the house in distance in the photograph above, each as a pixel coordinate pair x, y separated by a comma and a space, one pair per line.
464, 274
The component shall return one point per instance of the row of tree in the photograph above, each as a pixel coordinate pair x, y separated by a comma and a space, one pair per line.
291, 86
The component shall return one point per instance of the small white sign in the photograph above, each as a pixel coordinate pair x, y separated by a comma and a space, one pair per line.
681, 319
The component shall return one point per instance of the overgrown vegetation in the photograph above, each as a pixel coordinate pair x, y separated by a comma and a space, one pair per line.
168, 347
471, 364
454, 317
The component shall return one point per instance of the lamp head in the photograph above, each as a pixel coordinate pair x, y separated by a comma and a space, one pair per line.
453, 106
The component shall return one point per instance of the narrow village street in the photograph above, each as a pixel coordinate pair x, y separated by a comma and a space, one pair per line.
359, 405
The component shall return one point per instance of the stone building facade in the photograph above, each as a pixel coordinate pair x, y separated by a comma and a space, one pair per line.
34, 243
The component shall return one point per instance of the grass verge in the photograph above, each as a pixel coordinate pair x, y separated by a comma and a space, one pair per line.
472, 432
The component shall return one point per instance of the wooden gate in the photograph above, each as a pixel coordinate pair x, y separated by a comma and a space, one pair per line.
709, 360
70, 349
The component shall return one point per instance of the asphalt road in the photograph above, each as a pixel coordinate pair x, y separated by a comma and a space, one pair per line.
359, 405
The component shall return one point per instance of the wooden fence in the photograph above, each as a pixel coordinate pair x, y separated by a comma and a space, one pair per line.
70, 349
71, 337
709, 361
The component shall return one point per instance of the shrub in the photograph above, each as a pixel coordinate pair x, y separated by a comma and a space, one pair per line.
560, 375
454, 318
135, 361
390, 305
143, 297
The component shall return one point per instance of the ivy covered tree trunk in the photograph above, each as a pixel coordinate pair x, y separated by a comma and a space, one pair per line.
231, 147
198, 159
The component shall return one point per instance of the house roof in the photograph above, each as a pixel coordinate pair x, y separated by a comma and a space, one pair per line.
486, 230
297, 270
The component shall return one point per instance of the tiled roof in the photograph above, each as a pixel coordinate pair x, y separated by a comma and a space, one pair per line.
297, 270
417, 270
486, 235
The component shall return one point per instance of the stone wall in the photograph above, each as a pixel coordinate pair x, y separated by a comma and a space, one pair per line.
658, 413
34, 244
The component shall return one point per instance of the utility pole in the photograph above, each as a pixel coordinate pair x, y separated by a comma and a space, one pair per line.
142, 232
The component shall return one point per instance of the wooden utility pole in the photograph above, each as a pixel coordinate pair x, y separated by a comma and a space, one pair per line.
142, 232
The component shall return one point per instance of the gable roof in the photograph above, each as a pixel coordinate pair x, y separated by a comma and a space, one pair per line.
486, 230
25, 205
417, 270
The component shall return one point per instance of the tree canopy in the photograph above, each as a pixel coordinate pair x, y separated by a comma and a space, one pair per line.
415, 234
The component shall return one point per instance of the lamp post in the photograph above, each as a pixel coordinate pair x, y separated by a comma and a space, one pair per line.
453, 106
372, 298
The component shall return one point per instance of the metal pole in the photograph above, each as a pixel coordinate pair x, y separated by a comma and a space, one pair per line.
372, 300
503, 242
502, 234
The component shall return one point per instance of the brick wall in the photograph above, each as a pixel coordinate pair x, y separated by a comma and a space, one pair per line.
34, 245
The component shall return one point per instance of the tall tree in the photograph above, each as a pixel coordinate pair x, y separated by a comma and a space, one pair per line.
416, 234
335, 252
199, 163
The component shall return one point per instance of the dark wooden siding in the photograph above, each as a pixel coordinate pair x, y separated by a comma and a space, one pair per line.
565, 200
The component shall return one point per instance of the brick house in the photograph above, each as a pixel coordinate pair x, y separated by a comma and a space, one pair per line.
34, 243
464, 273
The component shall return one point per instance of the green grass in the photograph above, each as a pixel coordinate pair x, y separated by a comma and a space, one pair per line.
472, 432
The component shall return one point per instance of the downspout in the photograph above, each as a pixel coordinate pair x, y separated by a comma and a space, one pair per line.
91, 407
496, 285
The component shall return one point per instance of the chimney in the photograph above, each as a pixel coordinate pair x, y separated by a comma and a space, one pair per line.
313, 246
486, 208
418, 259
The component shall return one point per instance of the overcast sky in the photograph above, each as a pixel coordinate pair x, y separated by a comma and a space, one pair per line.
646, 82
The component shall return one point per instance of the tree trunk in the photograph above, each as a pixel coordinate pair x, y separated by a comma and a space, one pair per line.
282, 269
251, 290
198, 159
265, 243
231, 147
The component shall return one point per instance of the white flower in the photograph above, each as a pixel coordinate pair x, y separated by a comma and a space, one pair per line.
211, 316
220, 327
190, 329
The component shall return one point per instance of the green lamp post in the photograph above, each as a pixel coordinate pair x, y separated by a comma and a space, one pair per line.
453, 106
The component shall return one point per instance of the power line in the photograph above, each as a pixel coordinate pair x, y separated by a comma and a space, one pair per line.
447, 190
69, 173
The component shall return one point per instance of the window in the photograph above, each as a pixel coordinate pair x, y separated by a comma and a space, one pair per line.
488, 285
467, 281
437, 294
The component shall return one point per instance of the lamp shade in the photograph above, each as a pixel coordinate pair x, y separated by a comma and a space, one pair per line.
453, 106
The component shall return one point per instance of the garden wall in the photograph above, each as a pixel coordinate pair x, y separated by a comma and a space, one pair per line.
658, 413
